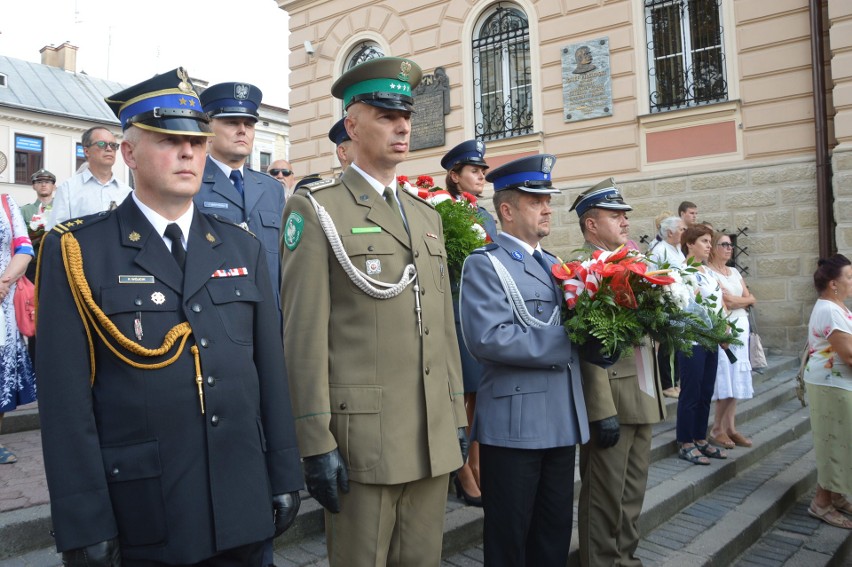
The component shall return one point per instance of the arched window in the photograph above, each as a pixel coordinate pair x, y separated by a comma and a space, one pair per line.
363, 51
502, 74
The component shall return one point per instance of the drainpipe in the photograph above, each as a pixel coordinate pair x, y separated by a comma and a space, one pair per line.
825, 218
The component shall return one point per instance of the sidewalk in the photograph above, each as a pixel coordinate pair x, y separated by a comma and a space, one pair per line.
22, 484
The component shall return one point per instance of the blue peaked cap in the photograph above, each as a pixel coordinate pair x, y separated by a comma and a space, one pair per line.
470, 152
338, 133
231, 100
530, 174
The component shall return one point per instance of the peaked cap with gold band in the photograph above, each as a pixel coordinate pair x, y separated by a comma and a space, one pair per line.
385, 82
164, 103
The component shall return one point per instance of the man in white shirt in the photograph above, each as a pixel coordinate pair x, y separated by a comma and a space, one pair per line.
94, 189
666, 249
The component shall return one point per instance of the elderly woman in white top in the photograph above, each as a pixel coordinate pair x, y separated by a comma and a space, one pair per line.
666, 251
733, 379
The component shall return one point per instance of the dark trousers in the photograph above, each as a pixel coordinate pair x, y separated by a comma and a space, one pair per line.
250, 555
697, 380
665, 365
527, 496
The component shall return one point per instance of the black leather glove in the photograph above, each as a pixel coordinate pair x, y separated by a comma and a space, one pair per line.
324, 474
463, 443
592, 351
101, 554
608, 432
285, 507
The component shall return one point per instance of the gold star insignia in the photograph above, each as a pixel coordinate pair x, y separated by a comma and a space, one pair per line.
210, 238
134, 236
182, 101
78, 222
191, 102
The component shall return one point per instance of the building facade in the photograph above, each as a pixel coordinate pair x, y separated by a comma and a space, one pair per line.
711, 101
45, 108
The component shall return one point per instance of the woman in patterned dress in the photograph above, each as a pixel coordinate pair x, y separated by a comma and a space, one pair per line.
828, 377
17, 379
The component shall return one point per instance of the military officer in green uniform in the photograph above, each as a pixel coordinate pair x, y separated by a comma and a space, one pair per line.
369, 338
623, 401
165, 414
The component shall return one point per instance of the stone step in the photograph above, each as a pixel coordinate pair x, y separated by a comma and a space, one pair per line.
27, 529
798, 540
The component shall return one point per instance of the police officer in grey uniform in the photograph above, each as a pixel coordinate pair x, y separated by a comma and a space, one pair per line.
530, 412
165, 414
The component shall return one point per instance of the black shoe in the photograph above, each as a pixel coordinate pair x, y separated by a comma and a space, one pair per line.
468, 499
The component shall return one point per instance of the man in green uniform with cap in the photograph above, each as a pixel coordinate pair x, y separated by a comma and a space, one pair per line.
369, 338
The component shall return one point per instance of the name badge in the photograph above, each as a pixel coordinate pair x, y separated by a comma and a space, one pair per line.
136, 279
214, 205
366, 229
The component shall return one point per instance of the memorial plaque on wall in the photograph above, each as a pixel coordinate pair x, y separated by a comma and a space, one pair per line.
431, 104
586, 80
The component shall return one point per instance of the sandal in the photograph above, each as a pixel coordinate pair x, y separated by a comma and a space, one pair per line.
693, 455
7, 457
830, 516
722, 441
711, 451
842, 505
740, 440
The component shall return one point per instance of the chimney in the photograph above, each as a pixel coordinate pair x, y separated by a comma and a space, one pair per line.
63, 57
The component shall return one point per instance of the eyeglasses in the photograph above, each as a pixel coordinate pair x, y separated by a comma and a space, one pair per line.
103, 145
284, 172
725, 245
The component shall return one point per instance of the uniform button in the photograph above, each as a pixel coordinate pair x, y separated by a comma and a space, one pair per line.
417, 253
137, 301
370, 248
196, 307
427, 370
614, 373
426, 330
114, 472
343, 405
211, 381
204, 342
517, 388
537, 295
422, 291
554, 367
237, 292
214, 420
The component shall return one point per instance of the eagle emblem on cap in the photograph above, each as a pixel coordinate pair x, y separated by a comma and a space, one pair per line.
241, 91
404, 70
480, 147
184, 80
547, 165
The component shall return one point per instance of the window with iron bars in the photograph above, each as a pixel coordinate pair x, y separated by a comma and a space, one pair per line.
502, 74
686, 58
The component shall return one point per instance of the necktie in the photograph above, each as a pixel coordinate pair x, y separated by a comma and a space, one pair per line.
174, 234
391, 200
237, 177
541, 261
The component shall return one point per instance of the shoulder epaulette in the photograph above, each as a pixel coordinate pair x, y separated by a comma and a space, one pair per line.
72, 225
490, 247
229, 222
321, 184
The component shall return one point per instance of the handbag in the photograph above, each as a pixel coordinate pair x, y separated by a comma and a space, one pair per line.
800, 376
756, 354
24, 290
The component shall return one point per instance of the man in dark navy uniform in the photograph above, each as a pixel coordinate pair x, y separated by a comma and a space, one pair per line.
229, 188
166, 423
